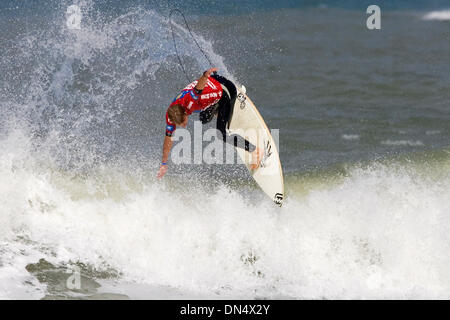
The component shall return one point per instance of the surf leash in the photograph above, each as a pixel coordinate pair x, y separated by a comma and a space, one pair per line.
193, 38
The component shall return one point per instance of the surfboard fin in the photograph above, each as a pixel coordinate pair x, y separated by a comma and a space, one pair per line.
243, 89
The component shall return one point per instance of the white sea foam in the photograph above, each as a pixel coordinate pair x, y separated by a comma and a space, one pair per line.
350, 136
409, 143
382, 232
441, 15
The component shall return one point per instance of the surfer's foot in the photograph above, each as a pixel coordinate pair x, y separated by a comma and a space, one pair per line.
256, 159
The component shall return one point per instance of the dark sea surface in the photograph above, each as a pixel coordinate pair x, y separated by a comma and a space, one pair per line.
364, 139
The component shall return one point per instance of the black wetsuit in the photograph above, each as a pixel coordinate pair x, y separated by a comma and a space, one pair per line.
224, 108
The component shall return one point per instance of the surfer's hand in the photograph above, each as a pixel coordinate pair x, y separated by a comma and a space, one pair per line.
162, 171
256, 159
208, 72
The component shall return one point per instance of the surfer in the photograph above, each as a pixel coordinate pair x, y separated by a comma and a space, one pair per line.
210, 95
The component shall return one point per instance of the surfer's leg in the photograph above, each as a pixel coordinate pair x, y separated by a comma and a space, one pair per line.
229, 85
222, 120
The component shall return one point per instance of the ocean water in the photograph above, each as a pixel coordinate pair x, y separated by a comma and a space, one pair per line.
364, 120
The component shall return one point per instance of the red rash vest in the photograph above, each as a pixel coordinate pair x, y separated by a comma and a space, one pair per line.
193, 101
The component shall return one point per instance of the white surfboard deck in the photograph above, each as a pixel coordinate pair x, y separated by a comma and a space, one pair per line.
248, 123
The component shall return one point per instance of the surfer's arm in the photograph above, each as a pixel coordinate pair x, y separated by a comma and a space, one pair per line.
201, 83
166, 151
166, 148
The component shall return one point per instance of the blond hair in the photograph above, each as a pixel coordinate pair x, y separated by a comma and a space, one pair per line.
176, 114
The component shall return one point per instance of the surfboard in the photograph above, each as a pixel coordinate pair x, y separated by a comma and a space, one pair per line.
248, 122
